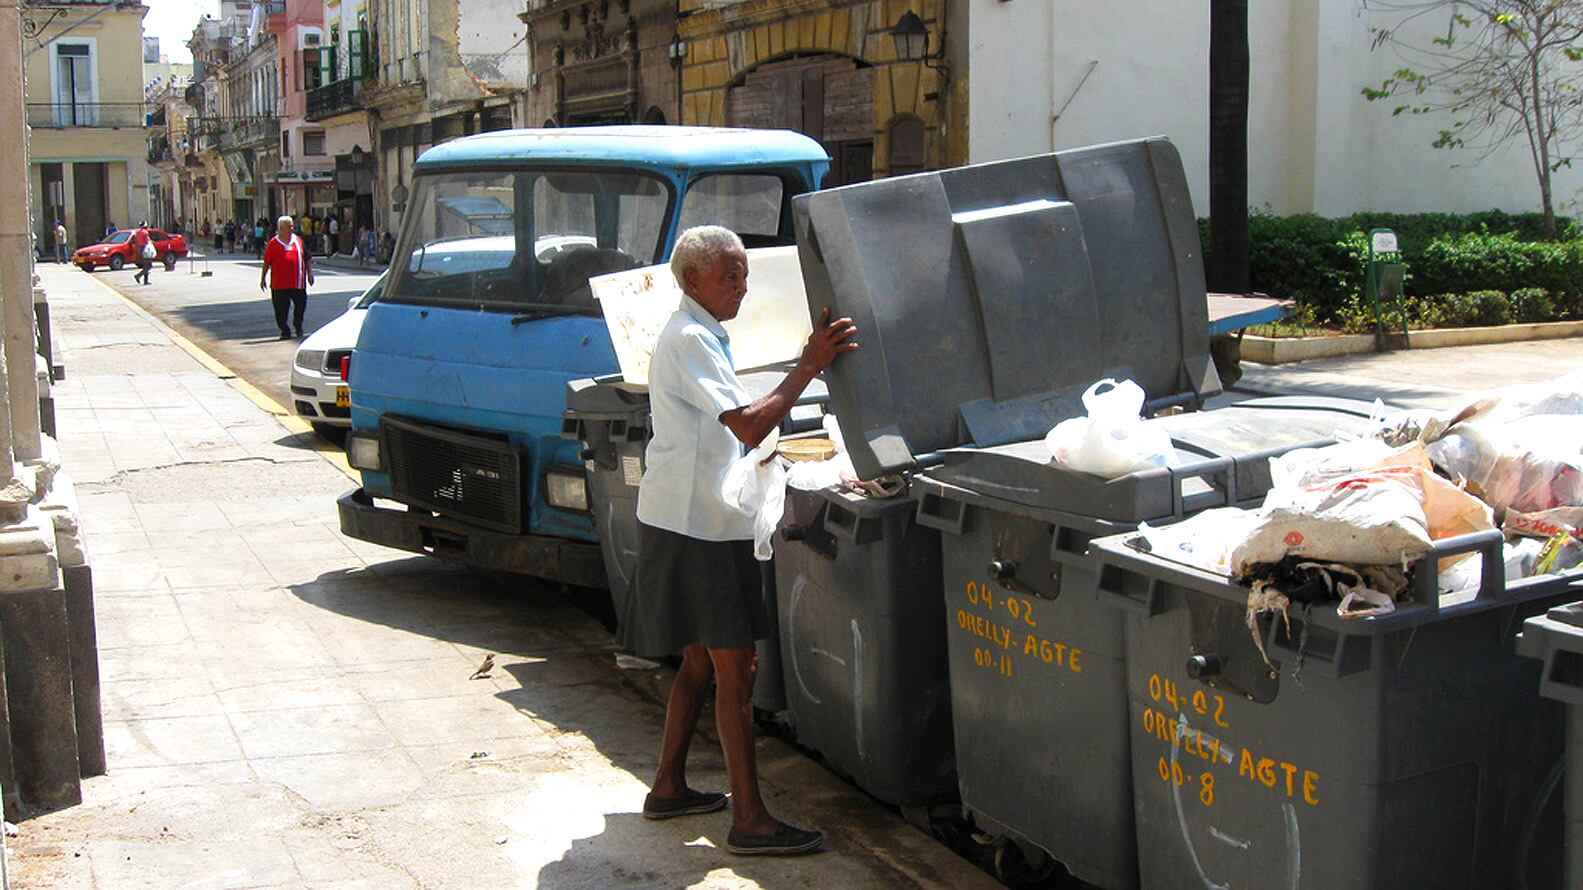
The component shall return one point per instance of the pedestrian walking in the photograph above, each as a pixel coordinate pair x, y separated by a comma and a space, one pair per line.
387, 247
288, 271
230, 236
360, 246
259, 225
60, 241
332, 228
110, 229
144, 250
698, 590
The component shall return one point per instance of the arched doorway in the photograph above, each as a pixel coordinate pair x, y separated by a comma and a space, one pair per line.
905, 150
654, 116
829, 97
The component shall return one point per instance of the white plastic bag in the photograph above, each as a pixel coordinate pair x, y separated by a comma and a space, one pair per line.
1113, 440
1529, 464
756, 485
819, 474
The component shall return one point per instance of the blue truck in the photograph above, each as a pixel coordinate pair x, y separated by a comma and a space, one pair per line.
458, 381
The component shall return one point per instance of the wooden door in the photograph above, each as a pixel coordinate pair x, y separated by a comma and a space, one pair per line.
829, 98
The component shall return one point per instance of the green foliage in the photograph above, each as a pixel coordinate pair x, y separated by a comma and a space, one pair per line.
1458, 310
1532, 304
1321, 263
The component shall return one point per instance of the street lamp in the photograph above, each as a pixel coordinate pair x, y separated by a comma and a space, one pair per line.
677, 50
357, 156
911, 36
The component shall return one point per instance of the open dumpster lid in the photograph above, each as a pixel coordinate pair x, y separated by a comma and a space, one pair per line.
989, 297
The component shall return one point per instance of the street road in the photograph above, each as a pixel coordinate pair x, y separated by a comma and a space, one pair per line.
227, 315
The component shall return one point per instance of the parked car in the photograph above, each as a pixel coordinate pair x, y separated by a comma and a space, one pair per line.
318, 389
116, 250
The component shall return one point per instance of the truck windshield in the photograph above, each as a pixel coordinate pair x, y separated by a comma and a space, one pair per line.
525, 240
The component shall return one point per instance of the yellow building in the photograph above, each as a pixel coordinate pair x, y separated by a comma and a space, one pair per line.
828, 68
88, 150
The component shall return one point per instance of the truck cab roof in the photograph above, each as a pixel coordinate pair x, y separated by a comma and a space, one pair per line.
655, 147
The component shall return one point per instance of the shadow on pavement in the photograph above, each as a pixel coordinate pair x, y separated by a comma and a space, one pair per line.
251, 322
562, 662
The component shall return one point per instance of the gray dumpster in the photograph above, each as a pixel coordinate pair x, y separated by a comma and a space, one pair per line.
1556, 640
1403, 750
862, 635
990, 297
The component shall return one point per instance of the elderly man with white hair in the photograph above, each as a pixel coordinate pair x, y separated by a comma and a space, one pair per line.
289, 270
698, 591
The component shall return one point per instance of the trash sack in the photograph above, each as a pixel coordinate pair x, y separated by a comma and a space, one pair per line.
755, 485
1203, 541
1112, 440
1529, 464
1542, 525
1305, 467
1384, 515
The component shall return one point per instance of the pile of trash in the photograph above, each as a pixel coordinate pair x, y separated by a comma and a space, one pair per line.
1347, 523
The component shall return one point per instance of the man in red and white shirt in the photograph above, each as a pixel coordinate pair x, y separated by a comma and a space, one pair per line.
288, 269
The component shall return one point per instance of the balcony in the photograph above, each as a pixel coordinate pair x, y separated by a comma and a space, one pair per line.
334, 98
249, 132
159, 151
86, 114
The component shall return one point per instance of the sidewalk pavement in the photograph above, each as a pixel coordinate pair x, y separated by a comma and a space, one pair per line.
286, 707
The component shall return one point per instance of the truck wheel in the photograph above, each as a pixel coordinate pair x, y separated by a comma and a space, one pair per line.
116, 263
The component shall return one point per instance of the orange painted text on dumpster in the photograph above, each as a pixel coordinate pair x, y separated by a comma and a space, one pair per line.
1172, 723
988, 609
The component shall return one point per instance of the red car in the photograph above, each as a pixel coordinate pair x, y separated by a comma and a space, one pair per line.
116, 251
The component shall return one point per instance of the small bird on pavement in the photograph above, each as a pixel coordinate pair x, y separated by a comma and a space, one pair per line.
485, 668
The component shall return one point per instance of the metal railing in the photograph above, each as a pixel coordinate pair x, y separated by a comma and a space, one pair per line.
87, 114
159, 151
334, 98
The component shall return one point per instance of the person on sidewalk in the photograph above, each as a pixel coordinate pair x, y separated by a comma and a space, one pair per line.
60, 241
143, 251
288, 270
698, 590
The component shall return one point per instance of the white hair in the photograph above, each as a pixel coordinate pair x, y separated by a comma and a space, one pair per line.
284, 218
699, 248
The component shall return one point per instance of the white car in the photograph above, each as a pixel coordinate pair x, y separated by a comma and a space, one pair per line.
318, 393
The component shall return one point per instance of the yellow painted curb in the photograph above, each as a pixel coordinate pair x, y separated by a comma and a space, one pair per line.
293, 424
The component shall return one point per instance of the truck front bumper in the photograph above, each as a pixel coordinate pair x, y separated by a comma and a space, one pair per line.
554, 559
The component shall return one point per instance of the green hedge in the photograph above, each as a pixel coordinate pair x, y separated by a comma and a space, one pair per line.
1474, 309
1320, 262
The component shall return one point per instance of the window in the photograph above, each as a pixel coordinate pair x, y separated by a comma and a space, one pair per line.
906, 146
313, 142
527, 240
748, 204
285, 144
312, 74
74, 86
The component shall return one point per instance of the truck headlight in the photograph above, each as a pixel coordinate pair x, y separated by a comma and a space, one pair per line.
310, 359
566, 489
362, 452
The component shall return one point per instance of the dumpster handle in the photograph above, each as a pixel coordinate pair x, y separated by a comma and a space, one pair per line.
1115, 583
842, 524
941, 514
1222, 469
1492, 580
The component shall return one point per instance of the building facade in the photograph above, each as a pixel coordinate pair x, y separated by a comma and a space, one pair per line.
445, 68
1053, 74
603, 62
827, 68
346, 66
85, 107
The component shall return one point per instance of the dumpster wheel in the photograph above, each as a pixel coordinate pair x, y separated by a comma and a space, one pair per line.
1018, 867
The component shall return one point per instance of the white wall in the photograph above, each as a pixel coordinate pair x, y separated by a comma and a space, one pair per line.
1315, 143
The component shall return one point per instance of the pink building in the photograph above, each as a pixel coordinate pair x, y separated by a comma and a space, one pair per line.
305, 182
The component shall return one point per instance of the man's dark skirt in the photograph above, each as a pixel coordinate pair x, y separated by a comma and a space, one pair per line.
691, 591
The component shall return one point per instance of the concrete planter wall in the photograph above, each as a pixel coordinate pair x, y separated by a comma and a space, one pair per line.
1283, 350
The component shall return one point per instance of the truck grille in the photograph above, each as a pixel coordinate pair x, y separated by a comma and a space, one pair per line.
455, 474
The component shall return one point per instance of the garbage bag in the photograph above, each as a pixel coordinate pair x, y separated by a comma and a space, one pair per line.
1112, 440
755, 484
1529, 464
1384, 515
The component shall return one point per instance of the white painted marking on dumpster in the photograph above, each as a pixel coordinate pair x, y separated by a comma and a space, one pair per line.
857, 688
828, 654
1294, 849
1181, 814
1228, 839
791, 637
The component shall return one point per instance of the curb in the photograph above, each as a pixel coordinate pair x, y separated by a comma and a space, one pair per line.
1285, 350
294, 425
